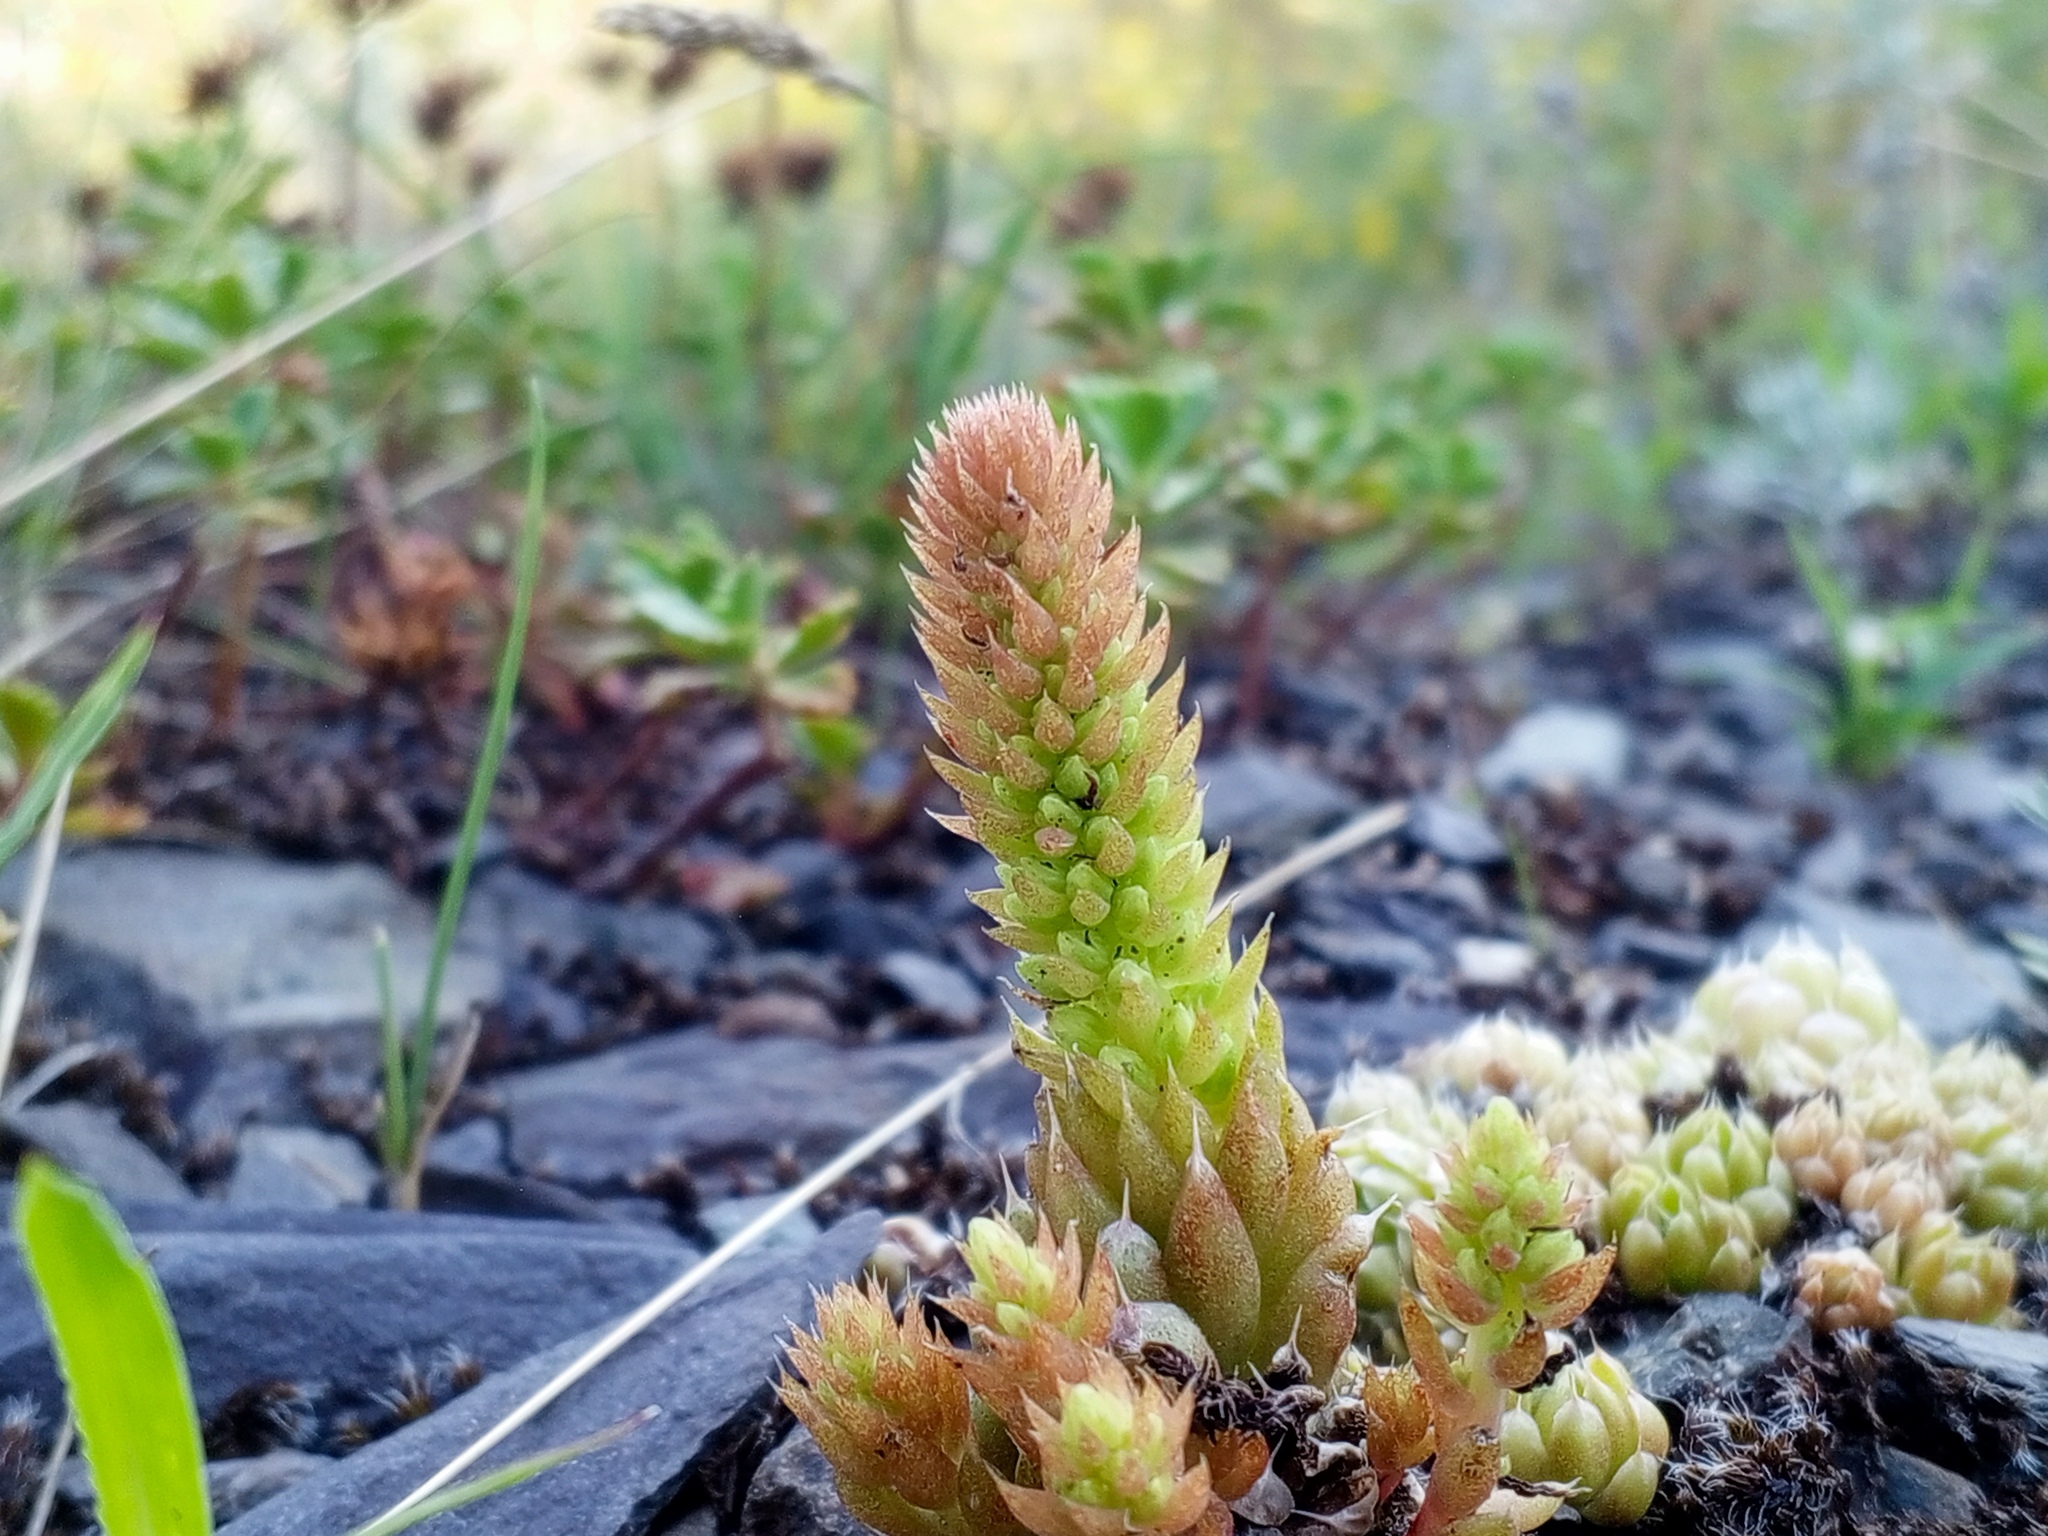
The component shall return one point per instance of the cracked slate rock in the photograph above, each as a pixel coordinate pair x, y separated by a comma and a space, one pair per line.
1949, 986
331, 1299
520, 917
1559, 744
711, 1101
1263, 802
1453, 833
296, 1166
258, 947
1713, 1343
91, 1142
704, 1364
793, 1494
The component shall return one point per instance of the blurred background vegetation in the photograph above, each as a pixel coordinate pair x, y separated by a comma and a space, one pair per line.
1342, 287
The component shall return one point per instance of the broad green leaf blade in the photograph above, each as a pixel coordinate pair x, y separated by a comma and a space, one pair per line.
119, 1354
508, 1476
83, 729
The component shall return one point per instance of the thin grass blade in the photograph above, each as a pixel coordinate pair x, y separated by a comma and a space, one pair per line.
83, 729
509, 1476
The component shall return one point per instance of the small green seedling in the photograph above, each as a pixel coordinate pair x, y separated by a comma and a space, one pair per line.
1898, 671
413, 1103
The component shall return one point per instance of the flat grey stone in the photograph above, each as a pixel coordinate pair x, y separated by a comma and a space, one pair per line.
477, 1146
793, 1494
258, 947
711, 1101
300, 1167
704, 1365
91, 1142
1264, 802
724, 1218
1969, 787
1839, 864
934, 986
1326, 1034
1453, 833
516, 916
1367, 954
1950, 986
331, 1299
1713, 1343
1653, 871
1566, 744
1889, 1483
236, 1486
2013, 1357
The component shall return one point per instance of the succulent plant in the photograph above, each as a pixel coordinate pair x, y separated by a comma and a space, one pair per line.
1838, 1288
1190, 1226
1893, 1195
1935, 1269
1820, 1146
1729, 1157
1589, 1427
1112, 1460
1597, 1116
1164, 1086
1490, 1056
890, 1410
1672, 1240
1498, 1257
1789, 1016
1998, 1167
1889, 1090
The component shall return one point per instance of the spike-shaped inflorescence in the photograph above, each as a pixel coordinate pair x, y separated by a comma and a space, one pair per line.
1165, 1093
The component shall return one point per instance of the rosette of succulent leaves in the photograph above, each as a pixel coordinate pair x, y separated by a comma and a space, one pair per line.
1792, 1080
1162, 1339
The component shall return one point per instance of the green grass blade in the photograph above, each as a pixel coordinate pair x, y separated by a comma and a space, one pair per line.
526, 575
120, 1356
83, 729
393, 1138
509, 1476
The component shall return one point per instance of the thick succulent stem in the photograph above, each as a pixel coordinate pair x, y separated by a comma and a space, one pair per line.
1165, 1087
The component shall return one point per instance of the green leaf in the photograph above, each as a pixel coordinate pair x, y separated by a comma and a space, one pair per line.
29, 718
120, 1357
83, 729
822, 630
509, 1476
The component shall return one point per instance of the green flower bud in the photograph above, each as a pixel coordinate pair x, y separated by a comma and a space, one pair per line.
1496, 1251
1999, 1167
1590, 1428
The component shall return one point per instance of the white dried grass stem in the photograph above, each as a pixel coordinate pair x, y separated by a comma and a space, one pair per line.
14, 999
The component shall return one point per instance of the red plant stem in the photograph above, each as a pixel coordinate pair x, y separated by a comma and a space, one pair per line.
634, 866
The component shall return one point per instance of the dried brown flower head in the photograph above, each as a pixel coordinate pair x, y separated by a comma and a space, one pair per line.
800, 167
439, 111
769, 44
1093, 202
